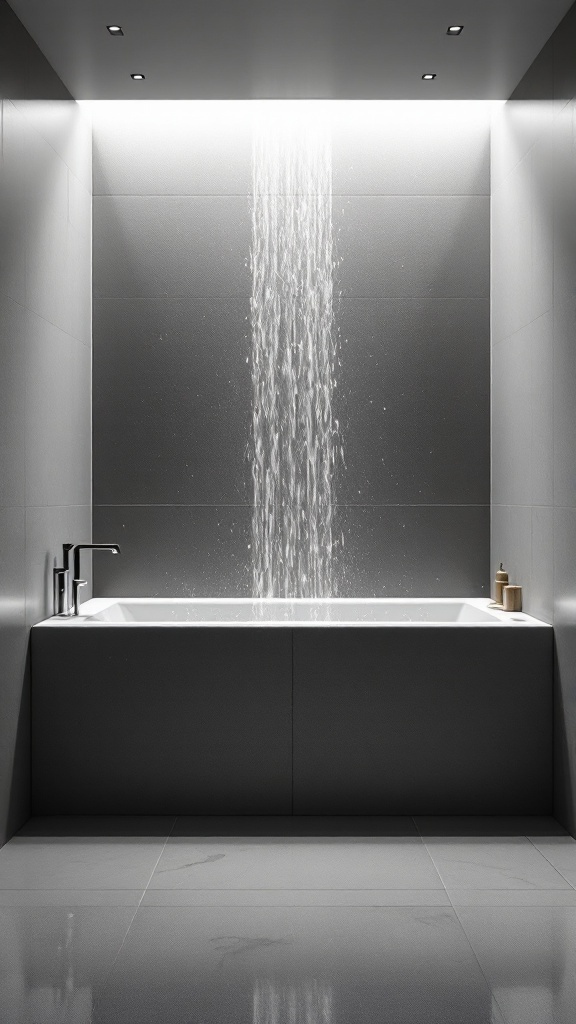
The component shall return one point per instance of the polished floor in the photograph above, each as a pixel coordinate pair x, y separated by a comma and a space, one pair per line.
275, 921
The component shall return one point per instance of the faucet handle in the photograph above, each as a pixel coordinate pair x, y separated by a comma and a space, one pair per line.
76, 584
60, 579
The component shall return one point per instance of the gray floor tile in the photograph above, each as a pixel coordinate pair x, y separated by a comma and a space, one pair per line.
76, 863
99, 825
389, 863
296, 898
294, 825
487, 825
406, 965
486, 863
560, 851
528, 955
54, 958
71, 897
512, 897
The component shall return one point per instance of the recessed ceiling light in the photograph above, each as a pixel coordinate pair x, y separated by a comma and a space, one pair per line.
454, 30
138, 78
428, 78
115, 30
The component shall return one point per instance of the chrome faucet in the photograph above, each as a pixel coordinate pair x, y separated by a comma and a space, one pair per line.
77, 582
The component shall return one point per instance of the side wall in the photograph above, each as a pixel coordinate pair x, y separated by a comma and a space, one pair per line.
172, 391
45, 369
534, 364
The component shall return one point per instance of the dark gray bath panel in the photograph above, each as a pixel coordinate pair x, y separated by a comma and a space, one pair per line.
161, 720
313, 720
392, 721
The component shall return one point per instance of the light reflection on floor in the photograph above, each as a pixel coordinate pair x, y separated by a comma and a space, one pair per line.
411, 923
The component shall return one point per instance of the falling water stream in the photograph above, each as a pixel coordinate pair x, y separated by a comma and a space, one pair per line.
295, 441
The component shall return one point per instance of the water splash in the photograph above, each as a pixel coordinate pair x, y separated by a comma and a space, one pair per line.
294, 434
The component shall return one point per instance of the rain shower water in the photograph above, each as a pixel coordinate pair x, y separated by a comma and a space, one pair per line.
295, 441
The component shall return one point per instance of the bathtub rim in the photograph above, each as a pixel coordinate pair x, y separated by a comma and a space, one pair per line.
97, 605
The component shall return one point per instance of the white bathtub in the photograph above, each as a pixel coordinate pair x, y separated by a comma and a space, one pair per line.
279, 612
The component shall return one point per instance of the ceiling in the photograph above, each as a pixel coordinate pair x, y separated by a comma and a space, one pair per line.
243, 49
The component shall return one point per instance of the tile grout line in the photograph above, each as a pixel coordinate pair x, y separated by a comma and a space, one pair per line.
425, 845
436, 868
553, 866
146, 887
107, 974
460, 925
315, 888
474, 954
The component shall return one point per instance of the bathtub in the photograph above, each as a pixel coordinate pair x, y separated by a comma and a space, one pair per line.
337, 707
290, 613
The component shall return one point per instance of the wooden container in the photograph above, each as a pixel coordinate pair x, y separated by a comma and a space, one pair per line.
512, 600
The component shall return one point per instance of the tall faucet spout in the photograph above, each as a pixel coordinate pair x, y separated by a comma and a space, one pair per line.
114, 548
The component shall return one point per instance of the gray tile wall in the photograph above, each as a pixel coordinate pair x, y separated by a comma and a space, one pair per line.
172, 391
45, 368
534, 364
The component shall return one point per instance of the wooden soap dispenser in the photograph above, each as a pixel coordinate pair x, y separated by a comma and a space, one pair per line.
500, 582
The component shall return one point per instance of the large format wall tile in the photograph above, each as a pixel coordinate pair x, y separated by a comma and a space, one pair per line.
13, 202
58, 373
174, 246
413, 551
565, 405
413, 401
511, 253
542, 581
173, 551
440, 149
522, 416
67, 129
203, 551
522, 239
47, 529
392, 246
515, 129
523, 539
511, 540
209, 147
172, 401
13, 323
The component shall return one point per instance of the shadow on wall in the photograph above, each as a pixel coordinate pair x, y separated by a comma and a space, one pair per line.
534, 364
45, 360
